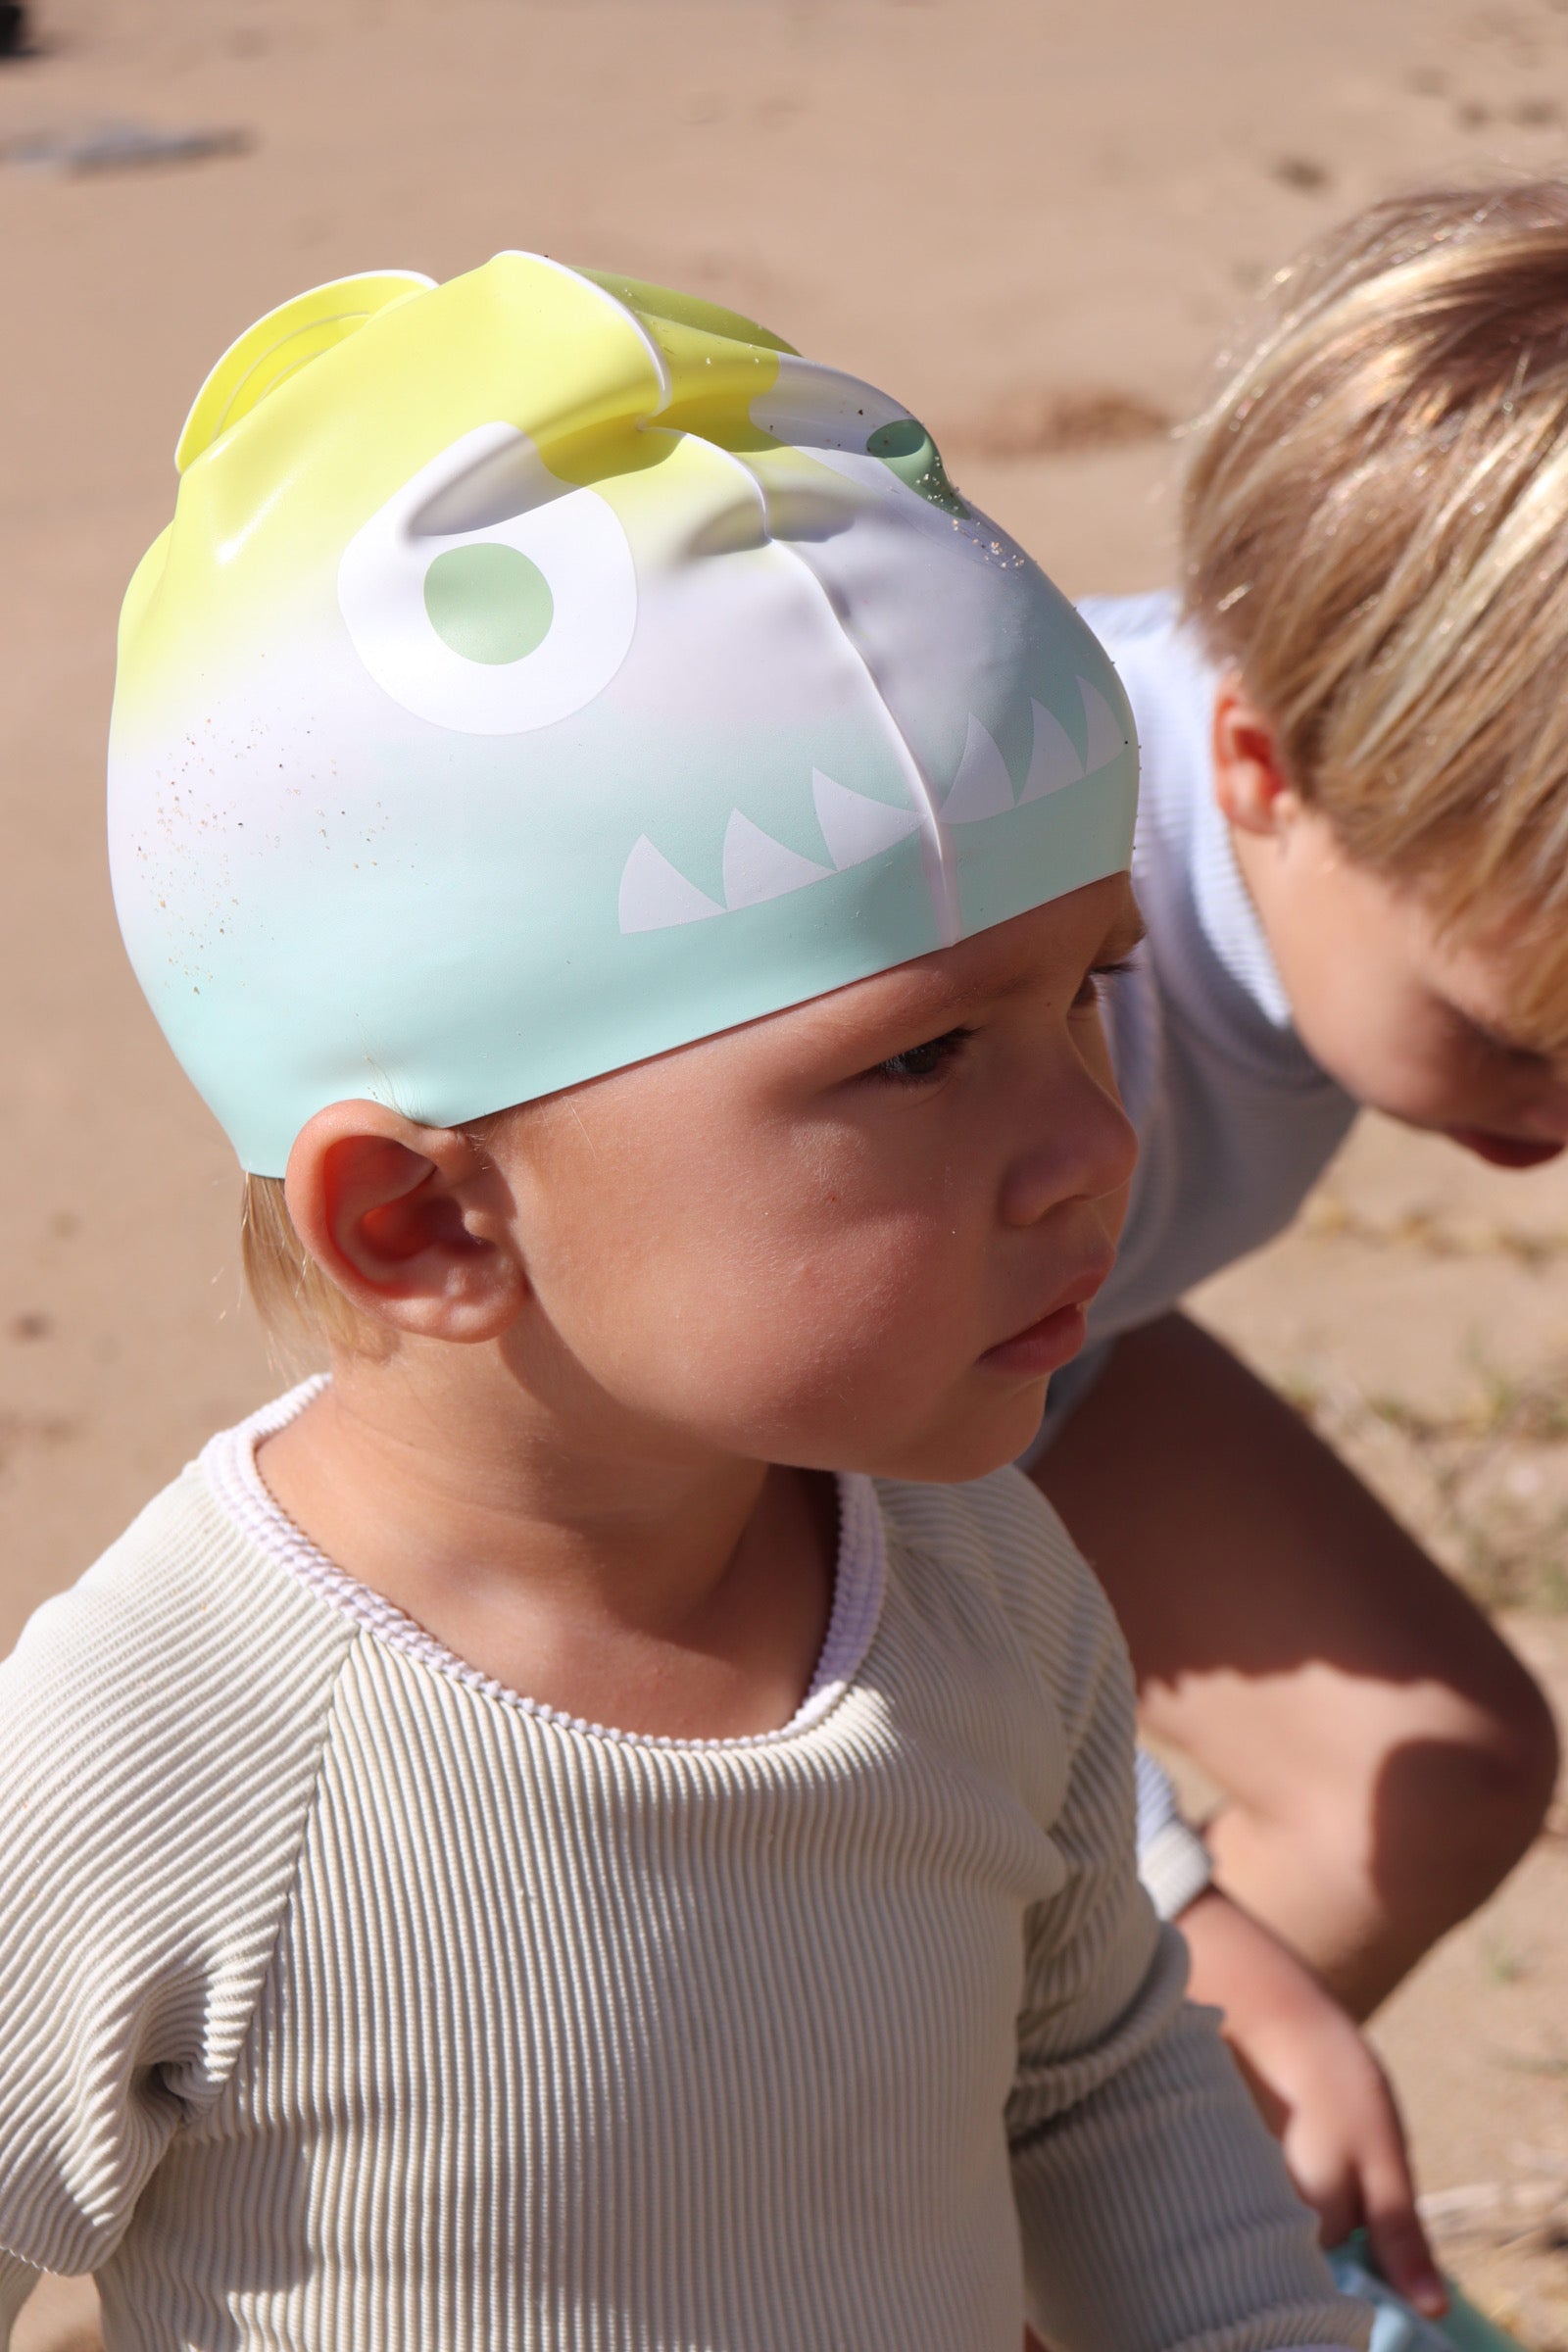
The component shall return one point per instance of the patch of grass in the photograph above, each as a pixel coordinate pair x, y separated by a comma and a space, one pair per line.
1302, 1392
1501, 1963
1522, 2062
1399, 1413
1329, 1218
1465, 1479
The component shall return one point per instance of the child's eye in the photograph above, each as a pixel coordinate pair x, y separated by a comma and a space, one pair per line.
1092, 990
922, 1064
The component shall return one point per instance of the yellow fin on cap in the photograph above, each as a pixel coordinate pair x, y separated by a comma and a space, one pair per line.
284, 341
687, 309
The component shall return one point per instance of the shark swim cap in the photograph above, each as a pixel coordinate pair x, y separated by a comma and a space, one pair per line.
543, 671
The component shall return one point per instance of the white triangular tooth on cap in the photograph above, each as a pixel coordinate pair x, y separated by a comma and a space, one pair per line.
656, 895
759, 867
1054, 761
982, 786
855, 826
1106, 734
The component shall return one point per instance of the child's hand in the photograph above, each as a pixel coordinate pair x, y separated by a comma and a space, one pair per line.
1321, 2090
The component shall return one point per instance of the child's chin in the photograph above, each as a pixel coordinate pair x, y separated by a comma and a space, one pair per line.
954, 1455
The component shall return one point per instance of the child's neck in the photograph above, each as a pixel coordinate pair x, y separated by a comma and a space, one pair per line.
657, 1588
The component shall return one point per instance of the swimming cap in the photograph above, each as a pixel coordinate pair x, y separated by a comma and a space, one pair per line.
543, 669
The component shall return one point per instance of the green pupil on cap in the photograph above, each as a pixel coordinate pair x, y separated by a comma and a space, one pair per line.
908, 450
904, 437
489, 603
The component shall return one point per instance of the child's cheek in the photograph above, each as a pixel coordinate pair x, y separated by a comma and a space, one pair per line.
888, 1302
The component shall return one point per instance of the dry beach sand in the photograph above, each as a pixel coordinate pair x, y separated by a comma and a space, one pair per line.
1033, 223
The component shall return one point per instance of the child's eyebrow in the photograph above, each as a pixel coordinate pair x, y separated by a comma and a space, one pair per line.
1537, 1046
936, 998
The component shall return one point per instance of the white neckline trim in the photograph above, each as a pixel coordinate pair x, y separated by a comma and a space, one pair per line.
228, 1462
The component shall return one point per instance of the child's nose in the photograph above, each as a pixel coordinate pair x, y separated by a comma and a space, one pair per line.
1086, 1150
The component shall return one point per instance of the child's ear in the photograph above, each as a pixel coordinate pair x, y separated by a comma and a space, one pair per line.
412, 1223
1251, 785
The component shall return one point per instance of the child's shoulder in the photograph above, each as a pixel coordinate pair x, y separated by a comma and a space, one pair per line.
1001, 1537
989, 1525
168, 1701
1170, 682
162, 1729
1153, 616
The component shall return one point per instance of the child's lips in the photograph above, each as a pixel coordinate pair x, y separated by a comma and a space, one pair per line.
1505, 1151
1054, 1339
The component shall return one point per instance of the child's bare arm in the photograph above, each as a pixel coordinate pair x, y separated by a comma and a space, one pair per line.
1315, 2078
1319, 2087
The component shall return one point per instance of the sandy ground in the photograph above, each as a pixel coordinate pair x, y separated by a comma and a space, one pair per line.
1034, 223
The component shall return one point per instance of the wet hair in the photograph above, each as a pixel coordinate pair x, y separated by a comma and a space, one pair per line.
1375, 538
295, 1301
300, 1305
